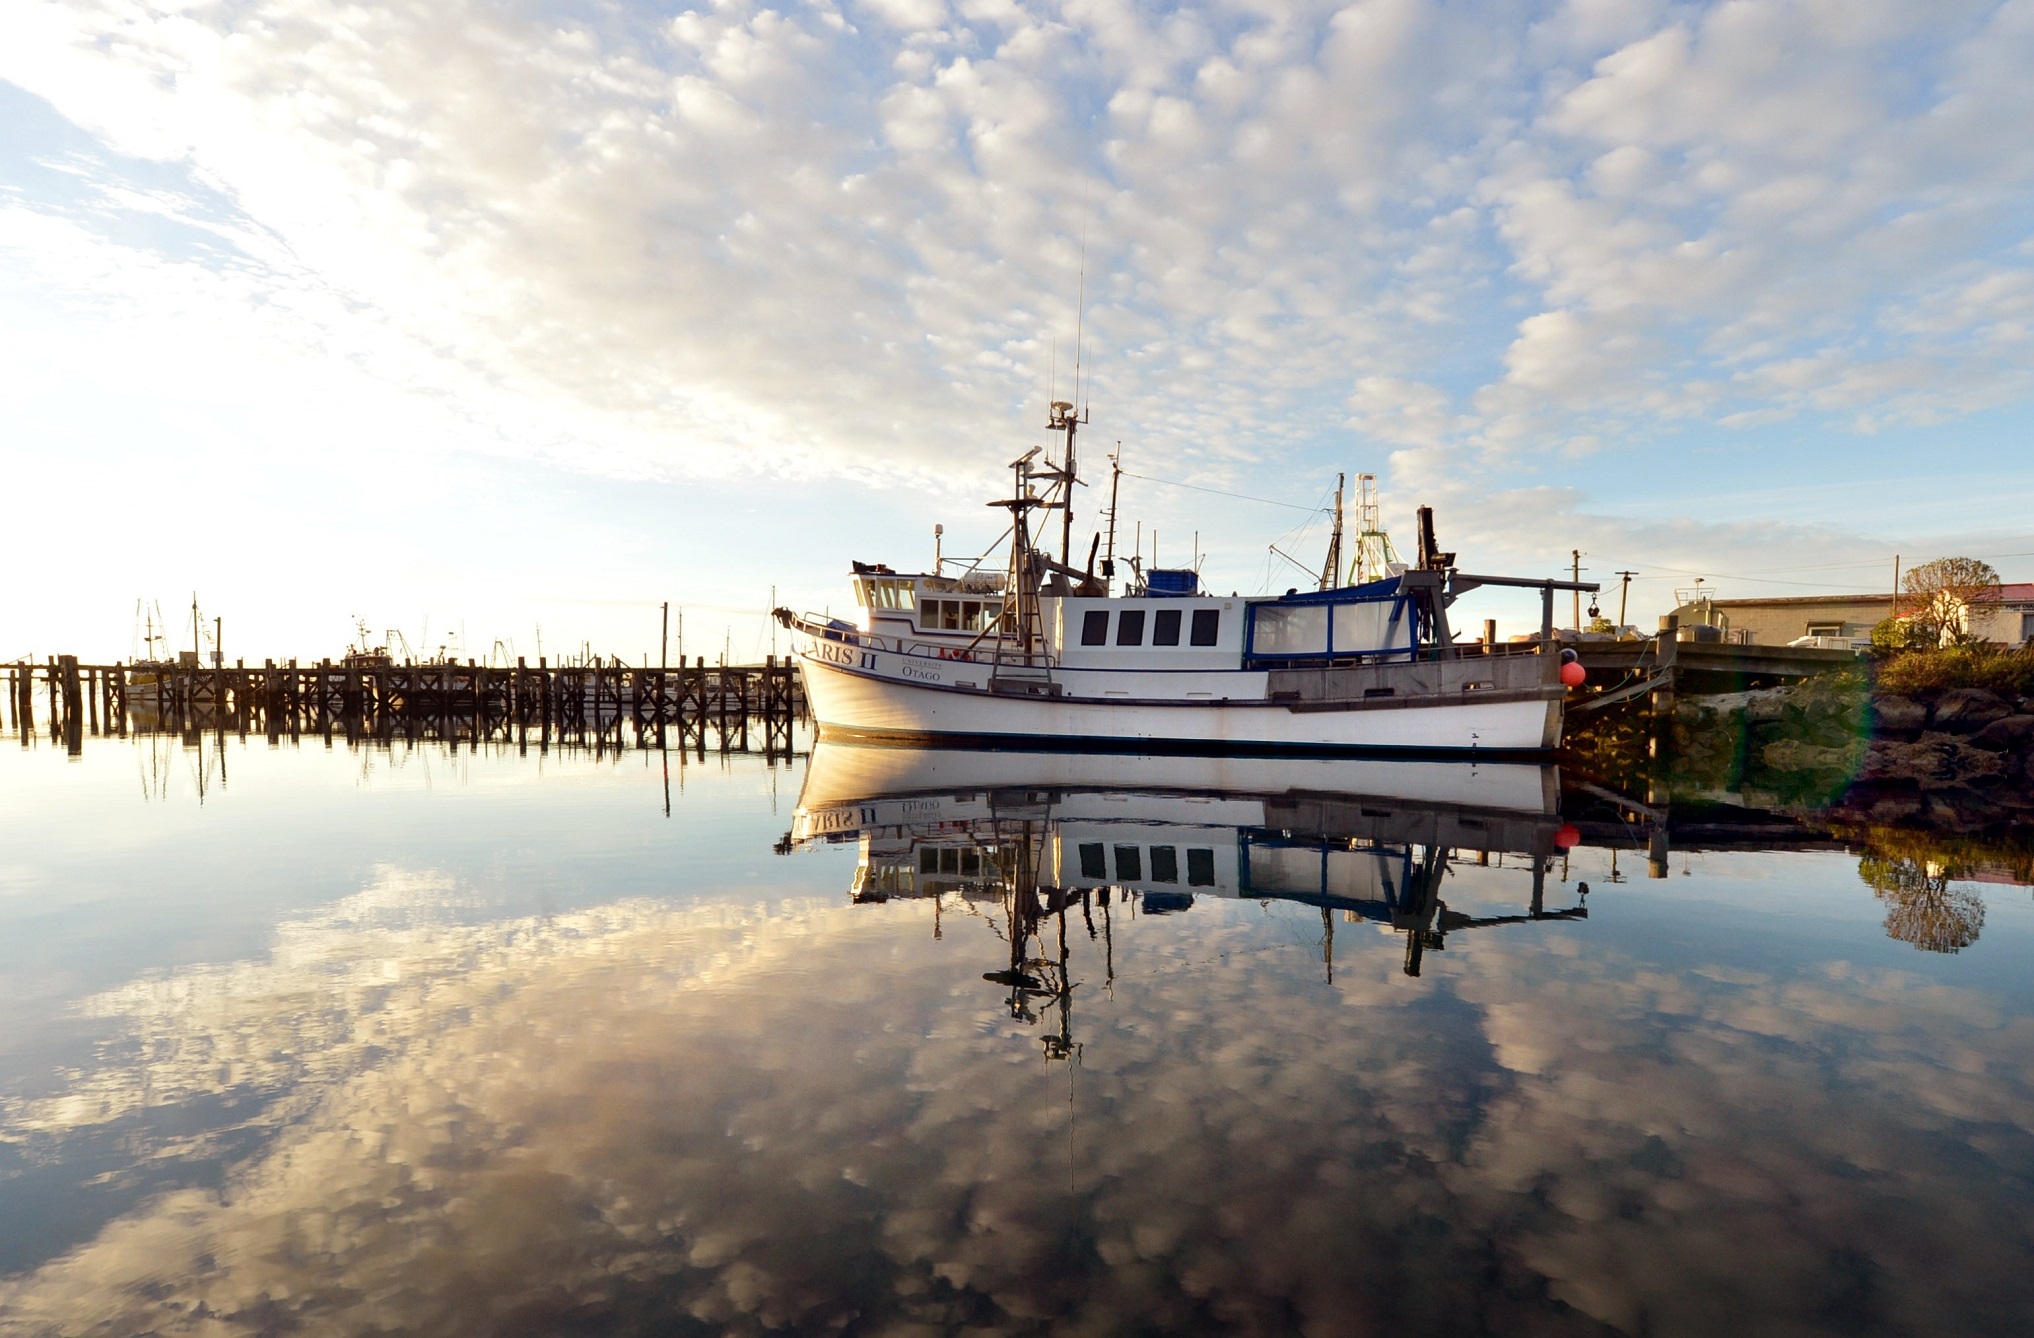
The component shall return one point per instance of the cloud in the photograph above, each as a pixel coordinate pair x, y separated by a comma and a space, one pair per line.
857, 242
769, 1116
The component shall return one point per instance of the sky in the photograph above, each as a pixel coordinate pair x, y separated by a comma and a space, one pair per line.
503, 325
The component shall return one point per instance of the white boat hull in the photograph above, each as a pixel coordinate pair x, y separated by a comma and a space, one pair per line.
871, 785
858, 694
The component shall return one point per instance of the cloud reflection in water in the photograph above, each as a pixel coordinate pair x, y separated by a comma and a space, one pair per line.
818, 1117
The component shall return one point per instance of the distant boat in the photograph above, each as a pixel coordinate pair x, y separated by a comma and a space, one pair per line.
1042, 654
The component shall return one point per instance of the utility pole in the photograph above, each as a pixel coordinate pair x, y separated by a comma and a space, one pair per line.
1624, 594
1576, 554
1896, 587
664, 640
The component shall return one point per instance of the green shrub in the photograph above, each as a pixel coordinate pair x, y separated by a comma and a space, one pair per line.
1892, 635
1921, 673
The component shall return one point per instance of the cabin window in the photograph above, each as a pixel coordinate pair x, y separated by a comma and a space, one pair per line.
1094, 864
1207, 626
1370, 626
1129, 864
956, 615
1290, 629
949, 859
1095, 629
880, 593
1130, 627
1164, 864
1825, 629
1165, 627
1200, 868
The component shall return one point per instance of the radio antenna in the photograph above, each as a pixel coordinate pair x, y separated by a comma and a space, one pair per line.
1080, 318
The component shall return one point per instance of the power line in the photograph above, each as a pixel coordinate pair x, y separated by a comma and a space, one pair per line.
1774, 580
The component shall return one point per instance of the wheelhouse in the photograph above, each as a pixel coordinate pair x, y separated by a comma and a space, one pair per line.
1359, 624
921, 604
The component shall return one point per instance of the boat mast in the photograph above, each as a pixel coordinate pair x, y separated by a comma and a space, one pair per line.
1115, 481
1331, 571
1023, 586
1064, 419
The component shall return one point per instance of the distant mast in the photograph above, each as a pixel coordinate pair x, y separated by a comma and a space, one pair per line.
1331, 570
1374, 555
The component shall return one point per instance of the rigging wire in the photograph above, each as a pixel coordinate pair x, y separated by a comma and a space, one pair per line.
1223, 492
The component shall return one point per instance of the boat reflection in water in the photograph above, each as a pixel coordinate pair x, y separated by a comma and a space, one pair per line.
1043, 836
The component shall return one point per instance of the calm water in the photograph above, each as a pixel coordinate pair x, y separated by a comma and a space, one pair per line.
430, 1043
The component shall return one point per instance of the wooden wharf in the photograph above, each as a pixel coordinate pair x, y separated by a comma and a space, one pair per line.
745, 708
1663, 666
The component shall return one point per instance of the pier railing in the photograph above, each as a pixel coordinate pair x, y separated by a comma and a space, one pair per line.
745, 708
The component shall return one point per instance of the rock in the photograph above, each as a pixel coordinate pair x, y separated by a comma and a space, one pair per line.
1765, 708
1793, 755
2007, 734
1957, 809
2013, 793
1933, 761
1898, 716
1895, 806
1968, 710
1886, 803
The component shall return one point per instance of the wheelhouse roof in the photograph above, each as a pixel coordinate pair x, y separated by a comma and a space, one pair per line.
1383, 589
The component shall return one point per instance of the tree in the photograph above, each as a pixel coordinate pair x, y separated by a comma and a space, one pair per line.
1944, 592
1922, 908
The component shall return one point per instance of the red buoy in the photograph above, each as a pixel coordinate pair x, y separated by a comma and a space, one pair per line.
1573, 675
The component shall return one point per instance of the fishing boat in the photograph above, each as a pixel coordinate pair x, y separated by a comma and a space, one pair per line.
1038, 832
147, 684
1044, 654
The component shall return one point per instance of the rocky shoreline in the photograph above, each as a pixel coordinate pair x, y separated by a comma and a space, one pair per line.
1835, 749
1967, 755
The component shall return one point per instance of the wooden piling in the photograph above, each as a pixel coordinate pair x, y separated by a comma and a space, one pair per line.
600, 704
